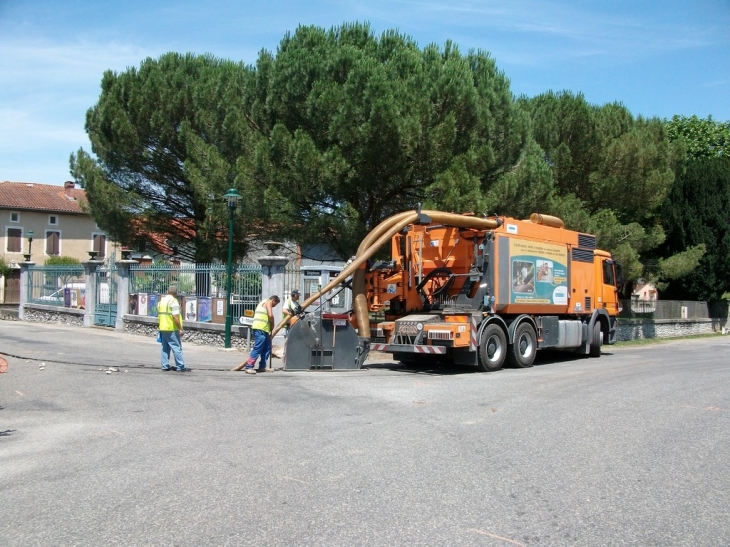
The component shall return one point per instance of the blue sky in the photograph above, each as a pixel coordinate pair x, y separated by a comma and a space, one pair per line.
658, 58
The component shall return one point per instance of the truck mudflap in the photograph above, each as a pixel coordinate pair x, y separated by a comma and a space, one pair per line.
403, 348
613, 330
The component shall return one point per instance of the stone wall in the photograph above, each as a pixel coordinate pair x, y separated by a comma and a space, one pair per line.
51, 314
640, 329
212, 334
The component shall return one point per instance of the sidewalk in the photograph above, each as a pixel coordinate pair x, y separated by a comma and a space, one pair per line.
96, 346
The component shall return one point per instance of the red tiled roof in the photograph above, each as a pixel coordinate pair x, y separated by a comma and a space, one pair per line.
32, 196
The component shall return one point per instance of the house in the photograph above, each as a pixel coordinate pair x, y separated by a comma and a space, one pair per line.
644, 297
644, 292
43, 220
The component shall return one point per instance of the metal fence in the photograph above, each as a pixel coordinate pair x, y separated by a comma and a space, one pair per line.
57, 285
200, 280
666, 309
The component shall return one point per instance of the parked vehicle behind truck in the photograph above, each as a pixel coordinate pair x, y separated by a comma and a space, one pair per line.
469, 291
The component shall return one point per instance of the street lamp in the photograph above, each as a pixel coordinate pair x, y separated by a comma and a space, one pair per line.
30, 244
232, 198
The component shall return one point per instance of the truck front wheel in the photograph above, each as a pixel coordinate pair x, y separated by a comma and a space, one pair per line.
596, 340
522, 353
492, 349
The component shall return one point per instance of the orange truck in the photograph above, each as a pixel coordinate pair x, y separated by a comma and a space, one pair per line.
471, 291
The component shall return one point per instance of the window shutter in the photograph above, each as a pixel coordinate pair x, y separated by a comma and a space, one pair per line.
14, 240
53, 244
100, 245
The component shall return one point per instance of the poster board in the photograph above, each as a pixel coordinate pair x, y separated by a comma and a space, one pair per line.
143, 303
191, 308
219, 310
205, 311
133, 304
152, 305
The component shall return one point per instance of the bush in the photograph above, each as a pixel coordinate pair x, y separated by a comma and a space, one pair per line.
4, 268
62, 261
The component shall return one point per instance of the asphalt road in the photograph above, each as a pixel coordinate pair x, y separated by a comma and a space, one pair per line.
629, 449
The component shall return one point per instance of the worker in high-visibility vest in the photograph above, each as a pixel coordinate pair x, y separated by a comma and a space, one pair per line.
171, 328
263, 325
291, 308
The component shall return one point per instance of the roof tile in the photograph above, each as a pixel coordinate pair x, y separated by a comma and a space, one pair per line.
32, 196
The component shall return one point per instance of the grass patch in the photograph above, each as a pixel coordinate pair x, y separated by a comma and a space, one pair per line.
651, 341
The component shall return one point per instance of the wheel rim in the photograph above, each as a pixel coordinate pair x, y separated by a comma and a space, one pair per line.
525, 346
494, 348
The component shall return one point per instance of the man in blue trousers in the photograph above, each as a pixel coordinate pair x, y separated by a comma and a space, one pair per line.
171, 329
262, 327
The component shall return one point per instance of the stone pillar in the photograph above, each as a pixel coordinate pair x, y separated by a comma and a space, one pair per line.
90, 296
272, 282
24, 284
123, 277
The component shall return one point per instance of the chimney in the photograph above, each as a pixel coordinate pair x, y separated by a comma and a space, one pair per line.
67, 187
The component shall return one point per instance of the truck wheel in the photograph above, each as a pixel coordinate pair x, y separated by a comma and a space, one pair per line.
523, 350
492, 349
596, 340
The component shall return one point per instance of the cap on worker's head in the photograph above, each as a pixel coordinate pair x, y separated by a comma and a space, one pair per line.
172, 289
295, 292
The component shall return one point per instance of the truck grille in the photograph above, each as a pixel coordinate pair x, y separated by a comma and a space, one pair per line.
587, 241
581, 255
403, 339
588, 303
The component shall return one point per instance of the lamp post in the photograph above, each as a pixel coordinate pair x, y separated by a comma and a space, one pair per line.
232, 198
30, 244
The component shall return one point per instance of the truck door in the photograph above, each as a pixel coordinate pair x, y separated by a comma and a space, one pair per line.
609, 289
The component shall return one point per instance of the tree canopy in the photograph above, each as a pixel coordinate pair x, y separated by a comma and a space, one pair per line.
360, 127
696, 212
702, 137
341, 128
167, 139
610, 173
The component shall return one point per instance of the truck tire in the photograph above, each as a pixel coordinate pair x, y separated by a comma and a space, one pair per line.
596, 340
492, 349
523, 350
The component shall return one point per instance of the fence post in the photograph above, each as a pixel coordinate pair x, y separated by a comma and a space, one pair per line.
24, 287
90, 294
272, 282
123, 282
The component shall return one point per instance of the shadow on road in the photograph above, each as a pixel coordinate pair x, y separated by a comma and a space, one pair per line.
436, 367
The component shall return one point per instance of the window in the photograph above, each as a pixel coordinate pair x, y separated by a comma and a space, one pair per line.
15, 240
53, 220
608, 278
53, 243
14, 217
100, 245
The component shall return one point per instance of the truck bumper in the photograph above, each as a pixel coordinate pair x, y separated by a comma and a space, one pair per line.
400, 348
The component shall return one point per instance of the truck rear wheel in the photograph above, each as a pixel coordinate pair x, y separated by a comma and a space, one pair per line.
523, 350
492, 349
596, 340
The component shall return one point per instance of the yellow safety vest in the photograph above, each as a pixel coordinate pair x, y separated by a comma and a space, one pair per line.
164, 314
261, 318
